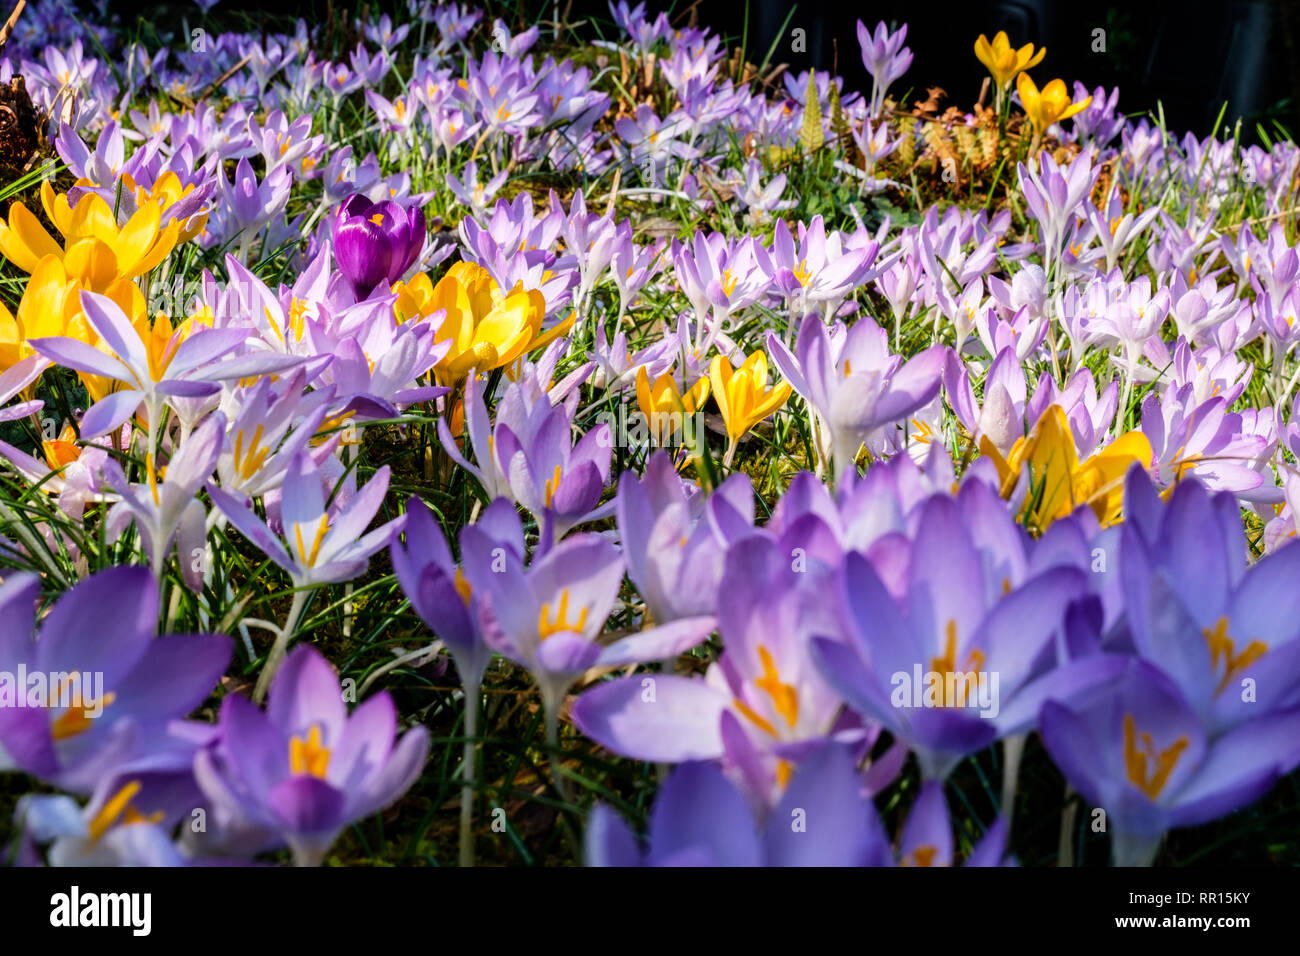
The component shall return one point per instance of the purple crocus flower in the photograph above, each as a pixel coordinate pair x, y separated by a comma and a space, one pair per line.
1139, 752
437, 588
131, 815
814, 271
326, 543
1054, 195
700, 819
442, 597
168, 510
958, 617
1228, 636
675, 539
376, 242
885, 58
100, 688
187, 367
549, 618
251, 204
530, 457
303, 768
764, 704
853, 384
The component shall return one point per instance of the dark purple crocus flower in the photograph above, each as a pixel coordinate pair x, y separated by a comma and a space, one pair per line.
376, 242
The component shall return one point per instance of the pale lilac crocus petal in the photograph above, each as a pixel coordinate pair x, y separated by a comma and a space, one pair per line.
80, 357
258, 752
608, 840
364, 744
305, 691
251, 527
399, 772
658, 643
109, 413
699, 810
661, 718
841, 827
115, 329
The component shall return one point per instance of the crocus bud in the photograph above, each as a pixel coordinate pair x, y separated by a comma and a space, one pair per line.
376, 242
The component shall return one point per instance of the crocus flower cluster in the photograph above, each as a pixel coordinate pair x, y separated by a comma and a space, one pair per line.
520, 390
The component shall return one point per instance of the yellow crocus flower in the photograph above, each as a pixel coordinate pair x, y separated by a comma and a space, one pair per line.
487, 328
1059, 483
95, 251
1004, 62
1049, 106
167, 191
414, 298
51, 305
63, 450
742, 394
662, 397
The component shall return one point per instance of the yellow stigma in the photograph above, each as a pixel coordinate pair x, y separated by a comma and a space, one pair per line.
947, 664
1222, 647
921, 856
308, 558
462, 586
546, 626
119, 805
1135, 760
309, 756
729, 283
75, 721
785, 698
552, 485
803, 273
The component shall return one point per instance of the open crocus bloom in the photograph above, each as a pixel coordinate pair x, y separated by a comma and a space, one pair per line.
743, 395
322, 543
303, 768
1049, 106
117, 686
487, 327
1057, 483
1140, 752
549, 618
983, 645
1003, 61
96, 251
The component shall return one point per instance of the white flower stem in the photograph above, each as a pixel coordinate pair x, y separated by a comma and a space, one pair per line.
468, 772
276, 657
